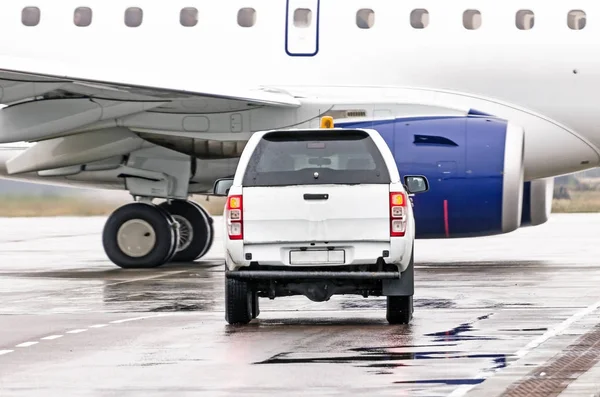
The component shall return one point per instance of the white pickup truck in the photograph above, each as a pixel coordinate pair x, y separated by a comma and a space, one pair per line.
318, 213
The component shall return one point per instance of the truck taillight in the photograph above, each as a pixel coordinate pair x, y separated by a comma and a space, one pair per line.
397, 214
234, 216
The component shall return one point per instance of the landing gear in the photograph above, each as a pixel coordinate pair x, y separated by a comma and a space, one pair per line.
140, 235
143, 235
195, 229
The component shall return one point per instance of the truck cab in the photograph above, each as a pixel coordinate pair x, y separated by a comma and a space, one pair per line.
318, 212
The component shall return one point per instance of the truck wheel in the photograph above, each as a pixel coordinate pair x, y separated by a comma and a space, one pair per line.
399, 309
238, 301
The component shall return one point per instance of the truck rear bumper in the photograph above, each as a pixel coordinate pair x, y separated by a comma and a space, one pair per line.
309, 275
397, 251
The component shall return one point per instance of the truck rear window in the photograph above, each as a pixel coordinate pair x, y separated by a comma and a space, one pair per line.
315, 157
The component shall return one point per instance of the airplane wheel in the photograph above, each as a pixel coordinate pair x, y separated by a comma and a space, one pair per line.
211, 238
176, 232
195, 229
139, 236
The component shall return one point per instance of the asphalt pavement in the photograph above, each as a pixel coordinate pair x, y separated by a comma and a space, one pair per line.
516, 314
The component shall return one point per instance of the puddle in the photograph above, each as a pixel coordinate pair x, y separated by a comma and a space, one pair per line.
382, 348
382, 358
525, 330
450, 382
457, 334
378, 303
177, 307
435, 303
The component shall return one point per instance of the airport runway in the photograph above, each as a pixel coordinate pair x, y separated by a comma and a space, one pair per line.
511, 315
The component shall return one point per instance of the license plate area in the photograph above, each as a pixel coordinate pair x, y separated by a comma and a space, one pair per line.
317, 257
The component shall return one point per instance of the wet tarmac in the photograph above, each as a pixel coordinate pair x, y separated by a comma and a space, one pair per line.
516, 314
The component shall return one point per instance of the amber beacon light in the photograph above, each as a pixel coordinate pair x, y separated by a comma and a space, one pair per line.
327, 122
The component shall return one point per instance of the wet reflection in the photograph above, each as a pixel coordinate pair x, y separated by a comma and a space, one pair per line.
387, 356
458, 333
187, 287
449, 382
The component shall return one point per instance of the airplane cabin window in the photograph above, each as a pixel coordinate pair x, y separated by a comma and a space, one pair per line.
576, 19
472, 19
246, 17
525, 19
188, 17
82, 16
302, 17
419, 18
134, 17
365, 18
30, 16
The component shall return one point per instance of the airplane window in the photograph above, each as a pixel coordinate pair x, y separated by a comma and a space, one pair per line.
365, 18
82, 16
246, 17
419, 18
134, 17
576, 19
472, 19
188, 17
525, 19
30, 16
302, 17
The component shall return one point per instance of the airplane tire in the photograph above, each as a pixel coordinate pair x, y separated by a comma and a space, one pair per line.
211, 228
139, 236
195, 229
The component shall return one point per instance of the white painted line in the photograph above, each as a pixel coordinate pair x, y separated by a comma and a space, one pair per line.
133, 319
27, 344
99, 326
52, 337
76, 331
5, 352
559, 329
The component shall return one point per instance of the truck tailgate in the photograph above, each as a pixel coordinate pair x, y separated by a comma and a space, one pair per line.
316, 213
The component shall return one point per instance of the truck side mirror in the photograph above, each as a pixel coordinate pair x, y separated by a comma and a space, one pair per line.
222, 186
416, 184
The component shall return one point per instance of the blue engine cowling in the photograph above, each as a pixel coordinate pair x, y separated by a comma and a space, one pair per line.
474, 165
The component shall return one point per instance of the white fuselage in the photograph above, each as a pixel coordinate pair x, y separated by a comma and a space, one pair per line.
550, 71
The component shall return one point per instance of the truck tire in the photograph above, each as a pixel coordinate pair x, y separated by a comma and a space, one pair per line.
399, 309
238, 302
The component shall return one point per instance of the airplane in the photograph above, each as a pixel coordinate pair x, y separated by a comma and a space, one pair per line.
489, 100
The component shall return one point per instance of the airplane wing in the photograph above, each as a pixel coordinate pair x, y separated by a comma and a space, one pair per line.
22, 79
18, 86
44, 99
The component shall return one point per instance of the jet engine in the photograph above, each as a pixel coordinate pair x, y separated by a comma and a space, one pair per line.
475, 166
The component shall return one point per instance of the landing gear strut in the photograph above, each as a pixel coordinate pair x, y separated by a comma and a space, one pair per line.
143, 235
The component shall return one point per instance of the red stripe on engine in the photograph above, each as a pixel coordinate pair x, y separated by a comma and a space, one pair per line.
446, 227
